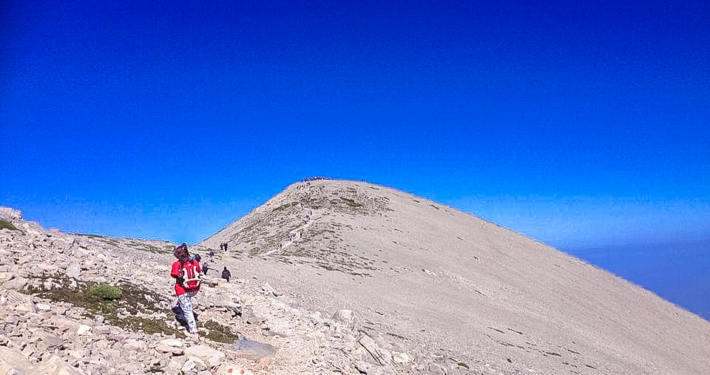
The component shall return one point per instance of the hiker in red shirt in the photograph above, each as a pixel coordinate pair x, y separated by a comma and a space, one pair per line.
186, 272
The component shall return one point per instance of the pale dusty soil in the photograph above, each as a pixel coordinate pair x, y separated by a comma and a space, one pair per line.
435, 280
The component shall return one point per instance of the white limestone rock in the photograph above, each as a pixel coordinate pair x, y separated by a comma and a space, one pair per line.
211, 356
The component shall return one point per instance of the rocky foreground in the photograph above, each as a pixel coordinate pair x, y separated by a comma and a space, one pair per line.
51, 323
334, 277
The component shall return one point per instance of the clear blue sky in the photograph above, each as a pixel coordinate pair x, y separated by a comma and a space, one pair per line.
584, 124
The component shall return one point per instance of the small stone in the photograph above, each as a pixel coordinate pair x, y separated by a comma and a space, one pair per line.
162, 348
135, 345
102, 330
173, 342
74, 270
18, 283
401, 358
84, 330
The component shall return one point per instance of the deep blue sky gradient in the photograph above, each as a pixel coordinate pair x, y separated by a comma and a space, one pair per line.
584, 124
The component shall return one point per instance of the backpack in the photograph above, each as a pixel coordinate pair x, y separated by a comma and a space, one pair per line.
192, 278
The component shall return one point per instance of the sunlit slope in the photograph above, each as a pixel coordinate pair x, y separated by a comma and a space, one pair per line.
442, 279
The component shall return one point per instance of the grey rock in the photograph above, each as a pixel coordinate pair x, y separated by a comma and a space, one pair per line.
12, 362
135, 345
211, 356
73, 270
17, 283
56, 366
252, 350
382, 356
347, 318
47, 340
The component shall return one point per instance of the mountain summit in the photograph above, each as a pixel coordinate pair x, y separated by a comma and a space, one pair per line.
430, 279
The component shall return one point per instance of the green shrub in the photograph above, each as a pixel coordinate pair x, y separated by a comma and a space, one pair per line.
4, 224
105, 292
351, 202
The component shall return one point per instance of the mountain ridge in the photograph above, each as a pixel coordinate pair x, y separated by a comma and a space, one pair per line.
408, 263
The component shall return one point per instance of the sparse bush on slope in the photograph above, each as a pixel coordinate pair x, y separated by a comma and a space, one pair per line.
4, 224
105, 292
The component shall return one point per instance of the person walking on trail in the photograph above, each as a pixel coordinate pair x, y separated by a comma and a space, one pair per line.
186, 272
226, 274
211, 258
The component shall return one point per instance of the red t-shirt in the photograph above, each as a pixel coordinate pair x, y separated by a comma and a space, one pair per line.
188, 270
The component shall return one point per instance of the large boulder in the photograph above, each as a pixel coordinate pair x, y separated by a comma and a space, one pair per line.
210, 356
56, 366
13, 362
47, 341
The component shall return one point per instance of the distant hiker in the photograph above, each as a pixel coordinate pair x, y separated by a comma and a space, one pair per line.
186, 271
225, 246
211, 258
226, 274
205, 268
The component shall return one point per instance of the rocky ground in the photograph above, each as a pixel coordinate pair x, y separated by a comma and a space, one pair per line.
53, 324
334, 277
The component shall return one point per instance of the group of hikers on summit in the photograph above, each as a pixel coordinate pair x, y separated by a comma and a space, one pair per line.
186, 271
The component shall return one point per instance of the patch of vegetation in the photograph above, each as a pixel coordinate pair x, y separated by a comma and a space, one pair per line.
153, 249
351, 202
126, 305
284, 206
4, 224
104, 292
219, 333
127, 310
434, 206
327, 267
396, 335
109, 241
461, 364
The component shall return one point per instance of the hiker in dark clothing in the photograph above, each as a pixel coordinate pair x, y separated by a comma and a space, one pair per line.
204, 267
226, 274
211, 256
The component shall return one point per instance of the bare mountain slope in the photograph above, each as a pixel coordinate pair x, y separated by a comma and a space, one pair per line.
439, 281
